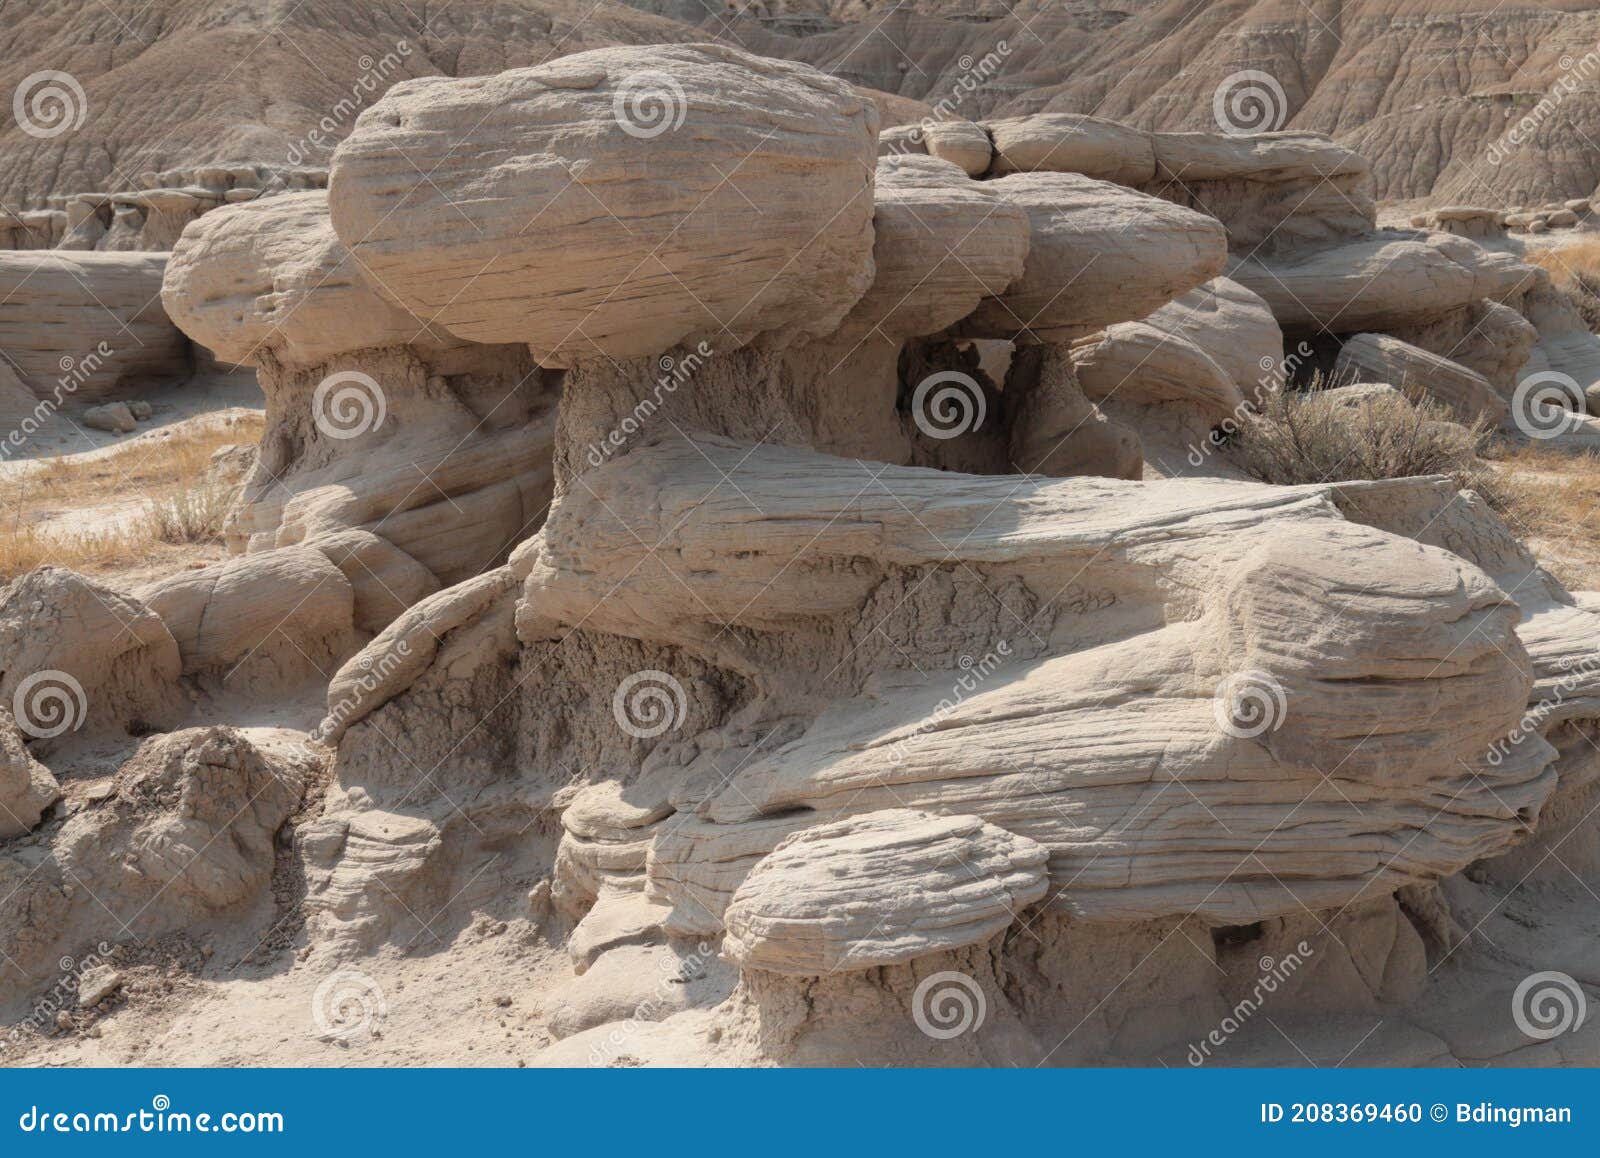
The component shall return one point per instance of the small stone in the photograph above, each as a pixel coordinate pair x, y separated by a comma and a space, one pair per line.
141, 409
115, 417
95, 987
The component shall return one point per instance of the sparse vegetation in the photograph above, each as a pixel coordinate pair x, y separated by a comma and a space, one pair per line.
1575, 269
1317, 437
45, 502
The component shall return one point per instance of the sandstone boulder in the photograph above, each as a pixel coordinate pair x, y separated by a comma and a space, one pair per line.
646, 197
878, 889
1380, 358
1099, 254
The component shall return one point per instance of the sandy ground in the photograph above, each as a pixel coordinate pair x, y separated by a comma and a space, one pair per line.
64, 432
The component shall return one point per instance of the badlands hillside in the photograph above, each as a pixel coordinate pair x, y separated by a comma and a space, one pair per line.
798, 534
1432, 92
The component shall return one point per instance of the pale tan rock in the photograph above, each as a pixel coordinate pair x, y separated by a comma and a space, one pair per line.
1071, 143
187, 836
116, 417
26, 786
84, 326
878, 889
1380, 358
753, 214
1074, 282
272, 275
383, 579
962, 143
941, 244
78, 656
393, 660
260, 619
1273, 554
1381, 281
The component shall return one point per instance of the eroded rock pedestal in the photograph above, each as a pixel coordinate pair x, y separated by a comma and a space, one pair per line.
867, 675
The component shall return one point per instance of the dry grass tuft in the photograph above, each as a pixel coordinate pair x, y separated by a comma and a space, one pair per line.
1557, 509
1575, 269
184, 505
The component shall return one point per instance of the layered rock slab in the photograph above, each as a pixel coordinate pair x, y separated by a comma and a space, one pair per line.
879, 889
646, 197
87, 325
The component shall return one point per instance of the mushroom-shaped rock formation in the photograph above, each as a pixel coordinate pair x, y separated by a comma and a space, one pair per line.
730, 659
87, 326
648, 197
434, 449
880, 889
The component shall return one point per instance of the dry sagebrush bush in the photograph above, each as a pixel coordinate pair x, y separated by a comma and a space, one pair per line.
1319, 437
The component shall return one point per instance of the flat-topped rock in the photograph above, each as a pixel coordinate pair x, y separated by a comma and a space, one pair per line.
87, 325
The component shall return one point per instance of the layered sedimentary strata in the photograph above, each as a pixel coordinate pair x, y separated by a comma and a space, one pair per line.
727, 146
85, 326
792, 675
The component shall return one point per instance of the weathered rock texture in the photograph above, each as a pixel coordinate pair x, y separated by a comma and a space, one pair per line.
82, 326
598, 155
855, 652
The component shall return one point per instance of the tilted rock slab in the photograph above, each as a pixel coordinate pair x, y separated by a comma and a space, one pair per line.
616, 202
1100, 254
1380, 281
1380, 358
942, 243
